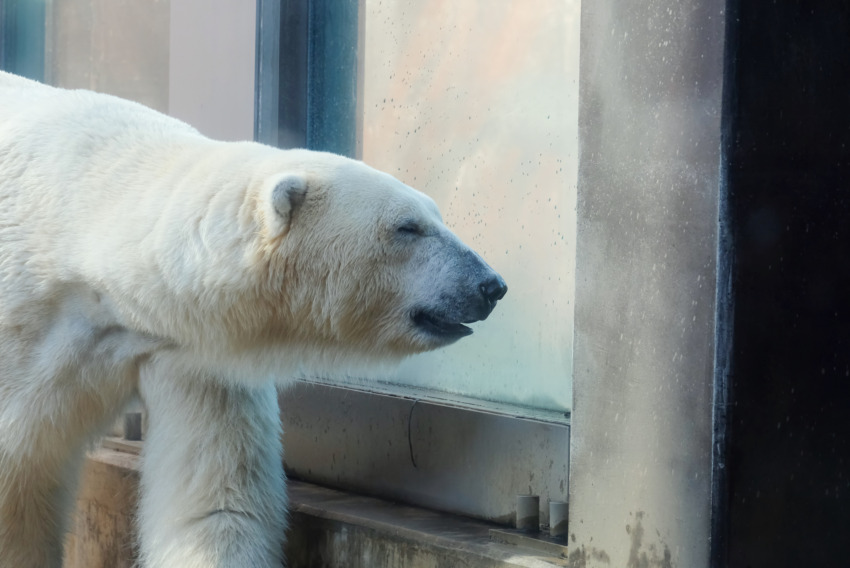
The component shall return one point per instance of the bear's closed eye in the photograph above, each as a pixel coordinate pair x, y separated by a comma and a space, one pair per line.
410, 228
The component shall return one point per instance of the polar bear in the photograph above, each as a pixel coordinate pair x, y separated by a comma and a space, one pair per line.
139, 258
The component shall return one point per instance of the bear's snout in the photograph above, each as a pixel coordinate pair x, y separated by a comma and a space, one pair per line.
471, 299
493, 289
483, 288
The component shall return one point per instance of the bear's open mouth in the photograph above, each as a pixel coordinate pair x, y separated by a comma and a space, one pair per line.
436, 325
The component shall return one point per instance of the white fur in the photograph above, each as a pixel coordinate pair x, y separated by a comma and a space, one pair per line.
138, 257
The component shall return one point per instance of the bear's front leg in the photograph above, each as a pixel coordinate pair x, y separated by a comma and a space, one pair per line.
213, 489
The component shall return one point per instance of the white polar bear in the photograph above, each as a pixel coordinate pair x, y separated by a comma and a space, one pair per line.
139, 257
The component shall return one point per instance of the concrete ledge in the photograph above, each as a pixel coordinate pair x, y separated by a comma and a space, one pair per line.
328, 528
334, 529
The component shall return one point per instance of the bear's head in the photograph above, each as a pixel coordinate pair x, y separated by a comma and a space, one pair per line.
364, 264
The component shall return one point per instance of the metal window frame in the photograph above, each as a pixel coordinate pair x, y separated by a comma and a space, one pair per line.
418, 447
22, 37
308, 86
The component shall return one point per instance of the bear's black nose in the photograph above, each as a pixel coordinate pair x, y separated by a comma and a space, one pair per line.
493, 289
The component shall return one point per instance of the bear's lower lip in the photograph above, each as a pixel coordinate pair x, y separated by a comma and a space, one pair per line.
438, 326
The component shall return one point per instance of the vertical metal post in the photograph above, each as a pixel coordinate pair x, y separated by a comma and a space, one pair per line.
4, 33
267, 91
291, 74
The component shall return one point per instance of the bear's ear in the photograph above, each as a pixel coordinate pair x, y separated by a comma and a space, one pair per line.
286, 197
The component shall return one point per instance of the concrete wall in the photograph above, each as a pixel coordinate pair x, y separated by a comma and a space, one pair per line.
118, 47
211, 66
649, 182
192, 59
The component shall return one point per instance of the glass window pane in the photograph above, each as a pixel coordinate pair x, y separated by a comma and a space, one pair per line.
476, 104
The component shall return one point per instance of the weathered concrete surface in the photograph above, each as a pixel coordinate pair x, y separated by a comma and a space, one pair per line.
101, 532
328, 528
649, 181
333, 529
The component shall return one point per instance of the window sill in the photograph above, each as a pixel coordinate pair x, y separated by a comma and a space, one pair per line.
328, 528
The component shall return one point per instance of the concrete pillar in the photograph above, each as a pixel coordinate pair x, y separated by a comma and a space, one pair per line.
649, 188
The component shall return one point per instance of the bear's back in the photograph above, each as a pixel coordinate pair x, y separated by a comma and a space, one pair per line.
40, 120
